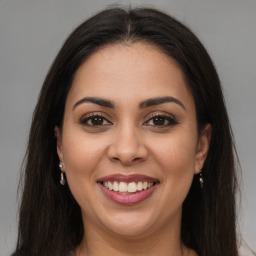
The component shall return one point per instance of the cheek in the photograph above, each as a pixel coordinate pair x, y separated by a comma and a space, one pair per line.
81, 157
176, 155
178, 149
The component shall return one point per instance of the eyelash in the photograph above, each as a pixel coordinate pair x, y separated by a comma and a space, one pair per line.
169, 118
85, 119
89, 118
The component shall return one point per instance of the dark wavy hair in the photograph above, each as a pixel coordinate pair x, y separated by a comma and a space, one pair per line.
50, 221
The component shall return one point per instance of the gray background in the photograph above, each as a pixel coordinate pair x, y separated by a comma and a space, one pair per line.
32, 32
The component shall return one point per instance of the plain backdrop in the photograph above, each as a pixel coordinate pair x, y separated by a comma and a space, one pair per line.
33, 31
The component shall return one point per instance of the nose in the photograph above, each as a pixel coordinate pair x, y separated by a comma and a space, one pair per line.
127, 147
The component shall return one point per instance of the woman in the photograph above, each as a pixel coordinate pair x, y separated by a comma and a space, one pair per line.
145, 160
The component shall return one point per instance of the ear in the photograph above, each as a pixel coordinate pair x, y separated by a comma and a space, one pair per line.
203, 147
59, 143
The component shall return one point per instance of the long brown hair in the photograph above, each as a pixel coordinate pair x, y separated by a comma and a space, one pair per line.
50, 220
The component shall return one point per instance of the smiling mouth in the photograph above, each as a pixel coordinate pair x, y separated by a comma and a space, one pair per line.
125, 188
128, 189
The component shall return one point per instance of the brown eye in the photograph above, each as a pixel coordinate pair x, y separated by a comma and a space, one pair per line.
95, 121
161, 120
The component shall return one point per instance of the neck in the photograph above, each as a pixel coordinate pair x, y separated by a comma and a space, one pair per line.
165, 242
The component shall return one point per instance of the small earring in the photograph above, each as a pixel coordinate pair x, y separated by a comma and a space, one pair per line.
201, 180
62, 179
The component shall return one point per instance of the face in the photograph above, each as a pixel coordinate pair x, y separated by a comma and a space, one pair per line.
129, 142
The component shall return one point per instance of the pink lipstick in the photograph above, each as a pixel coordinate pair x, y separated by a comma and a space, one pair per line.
127, 189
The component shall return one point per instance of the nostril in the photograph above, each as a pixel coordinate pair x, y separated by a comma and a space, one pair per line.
127, 153
137, 159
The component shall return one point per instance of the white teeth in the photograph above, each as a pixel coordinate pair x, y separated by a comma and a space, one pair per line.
105, 184
124, 187
150, 185
110, 186
132, 187
144, 185
139, 186
115, 186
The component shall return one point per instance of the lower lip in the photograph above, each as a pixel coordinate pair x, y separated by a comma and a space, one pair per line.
128, 199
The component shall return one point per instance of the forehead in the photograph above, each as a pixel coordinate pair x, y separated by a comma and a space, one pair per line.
132, 71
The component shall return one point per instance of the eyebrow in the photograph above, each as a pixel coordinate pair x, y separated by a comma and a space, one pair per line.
142, 105
98, 101
160, 100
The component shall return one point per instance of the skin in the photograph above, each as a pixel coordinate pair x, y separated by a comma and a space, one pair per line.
129, 140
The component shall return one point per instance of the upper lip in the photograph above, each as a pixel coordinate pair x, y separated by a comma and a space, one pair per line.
128, 178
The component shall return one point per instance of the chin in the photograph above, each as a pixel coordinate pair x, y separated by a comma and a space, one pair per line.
129, 225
